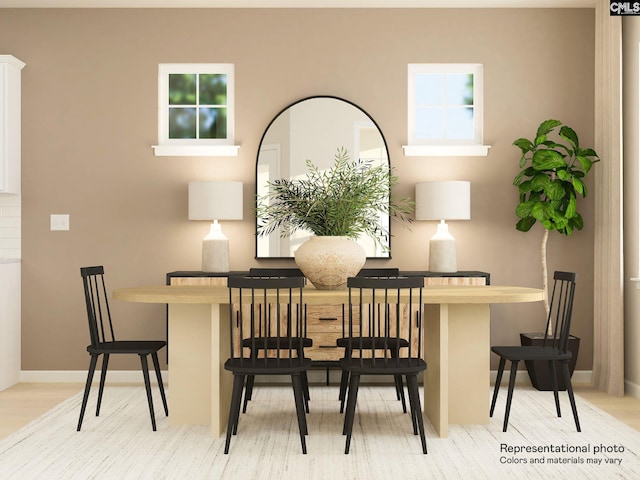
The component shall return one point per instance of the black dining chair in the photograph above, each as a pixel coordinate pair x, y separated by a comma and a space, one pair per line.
554, 349
300, 343
394, 347
393, 309
103, 342
267, 311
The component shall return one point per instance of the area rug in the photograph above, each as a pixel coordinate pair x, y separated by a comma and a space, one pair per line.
121, 445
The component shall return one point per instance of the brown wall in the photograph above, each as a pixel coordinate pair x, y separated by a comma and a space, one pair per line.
90, 118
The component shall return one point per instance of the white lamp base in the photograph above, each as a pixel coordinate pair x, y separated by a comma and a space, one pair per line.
215, 250
442, 251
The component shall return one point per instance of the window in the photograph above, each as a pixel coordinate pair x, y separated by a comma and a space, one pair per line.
445, 109
195, 110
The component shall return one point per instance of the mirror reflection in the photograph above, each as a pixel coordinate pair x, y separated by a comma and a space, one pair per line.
313, 129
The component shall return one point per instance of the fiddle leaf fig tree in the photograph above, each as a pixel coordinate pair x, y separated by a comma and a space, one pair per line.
550, 182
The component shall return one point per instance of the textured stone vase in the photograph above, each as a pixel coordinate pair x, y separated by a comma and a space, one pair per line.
328, 261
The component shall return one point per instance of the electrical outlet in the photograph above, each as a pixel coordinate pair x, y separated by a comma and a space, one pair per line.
59, 222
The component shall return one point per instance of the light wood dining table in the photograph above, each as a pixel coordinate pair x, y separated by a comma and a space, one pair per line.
456, 348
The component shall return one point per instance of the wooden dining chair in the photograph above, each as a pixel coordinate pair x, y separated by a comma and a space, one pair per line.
394, 315
266, 311
554, 349
103, 342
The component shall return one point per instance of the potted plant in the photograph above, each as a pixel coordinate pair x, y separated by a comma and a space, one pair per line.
338, 205
550, 182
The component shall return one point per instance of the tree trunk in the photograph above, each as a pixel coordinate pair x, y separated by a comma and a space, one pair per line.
545, 276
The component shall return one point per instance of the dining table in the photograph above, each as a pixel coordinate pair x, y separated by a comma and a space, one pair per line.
456, 347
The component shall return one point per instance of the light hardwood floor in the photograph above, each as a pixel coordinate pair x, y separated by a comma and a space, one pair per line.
27, 401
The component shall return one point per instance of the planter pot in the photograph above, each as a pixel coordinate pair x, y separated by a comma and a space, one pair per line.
539, 370
328, 261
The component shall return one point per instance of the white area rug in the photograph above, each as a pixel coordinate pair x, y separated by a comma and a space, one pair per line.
121, 445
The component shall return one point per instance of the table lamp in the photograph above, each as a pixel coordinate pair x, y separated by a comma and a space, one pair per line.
215, 201
443, 200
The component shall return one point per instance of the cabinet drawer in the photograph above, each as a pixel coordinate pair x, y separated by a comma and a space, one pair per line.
324, 318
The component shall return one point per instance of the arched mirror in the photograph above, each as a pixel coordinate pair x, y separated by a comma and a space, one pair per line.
313, 129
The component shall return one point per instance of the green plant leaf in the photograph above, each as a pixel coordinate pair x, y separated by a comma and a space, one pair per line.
524, 145
555, 190
547, 126
547, 160
585, 163
564, 174
523, 210
541, 211
576, 222
587, 152
571, 210
560, 223
525, 224
540, 182
579, 186
518, 178
570, 136
540, 140
523, 160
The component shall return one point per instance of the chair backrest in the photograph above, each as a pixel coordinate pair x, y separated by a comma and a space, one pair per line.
98, 313
256, 304
379, 272
383, 312
560, 310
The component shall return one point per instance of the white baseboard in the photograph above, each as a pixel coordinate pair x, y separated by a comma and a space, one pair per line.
316, 376
522, 377
632, 389
80, 376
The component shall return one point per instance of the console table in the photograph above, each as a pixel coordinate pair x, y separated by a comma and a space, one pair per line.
456, 345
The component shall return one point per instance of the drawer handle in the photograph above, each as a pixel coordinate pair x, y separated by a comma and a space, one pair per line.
327, 346
328, 319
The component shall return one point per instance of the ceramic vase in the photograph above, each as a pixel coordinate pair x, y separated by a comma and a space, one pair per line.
328, 261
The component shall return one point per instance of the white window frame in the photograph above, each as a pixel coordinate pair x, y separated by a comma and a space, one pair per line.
446, 147
186, 146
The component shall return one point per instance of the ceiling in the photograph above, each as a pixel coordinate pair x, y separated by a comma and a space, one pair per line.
297, 3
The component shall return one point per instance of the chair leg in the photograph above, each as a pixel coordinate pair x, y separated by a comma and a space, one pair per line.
554, 384
103, 377
344, 381
305, 381
398, 380
412, 408
414, 397
147, 384
512, 382
156, 366
299, 398
497, 385
305, 390
248, 391
87, 387
234, 409
400, 392
567, 381
354, 383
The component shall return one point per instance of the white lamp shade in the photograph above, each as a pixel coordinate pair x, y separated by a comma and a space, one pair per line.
215, 200
444, 200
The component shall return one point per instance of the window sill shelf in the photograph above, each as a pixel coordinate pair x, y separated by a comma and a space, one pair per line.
196, 150
446, 150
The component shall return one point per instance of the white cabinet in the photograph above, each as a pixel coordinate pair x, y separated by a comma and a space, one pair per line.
10, 73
